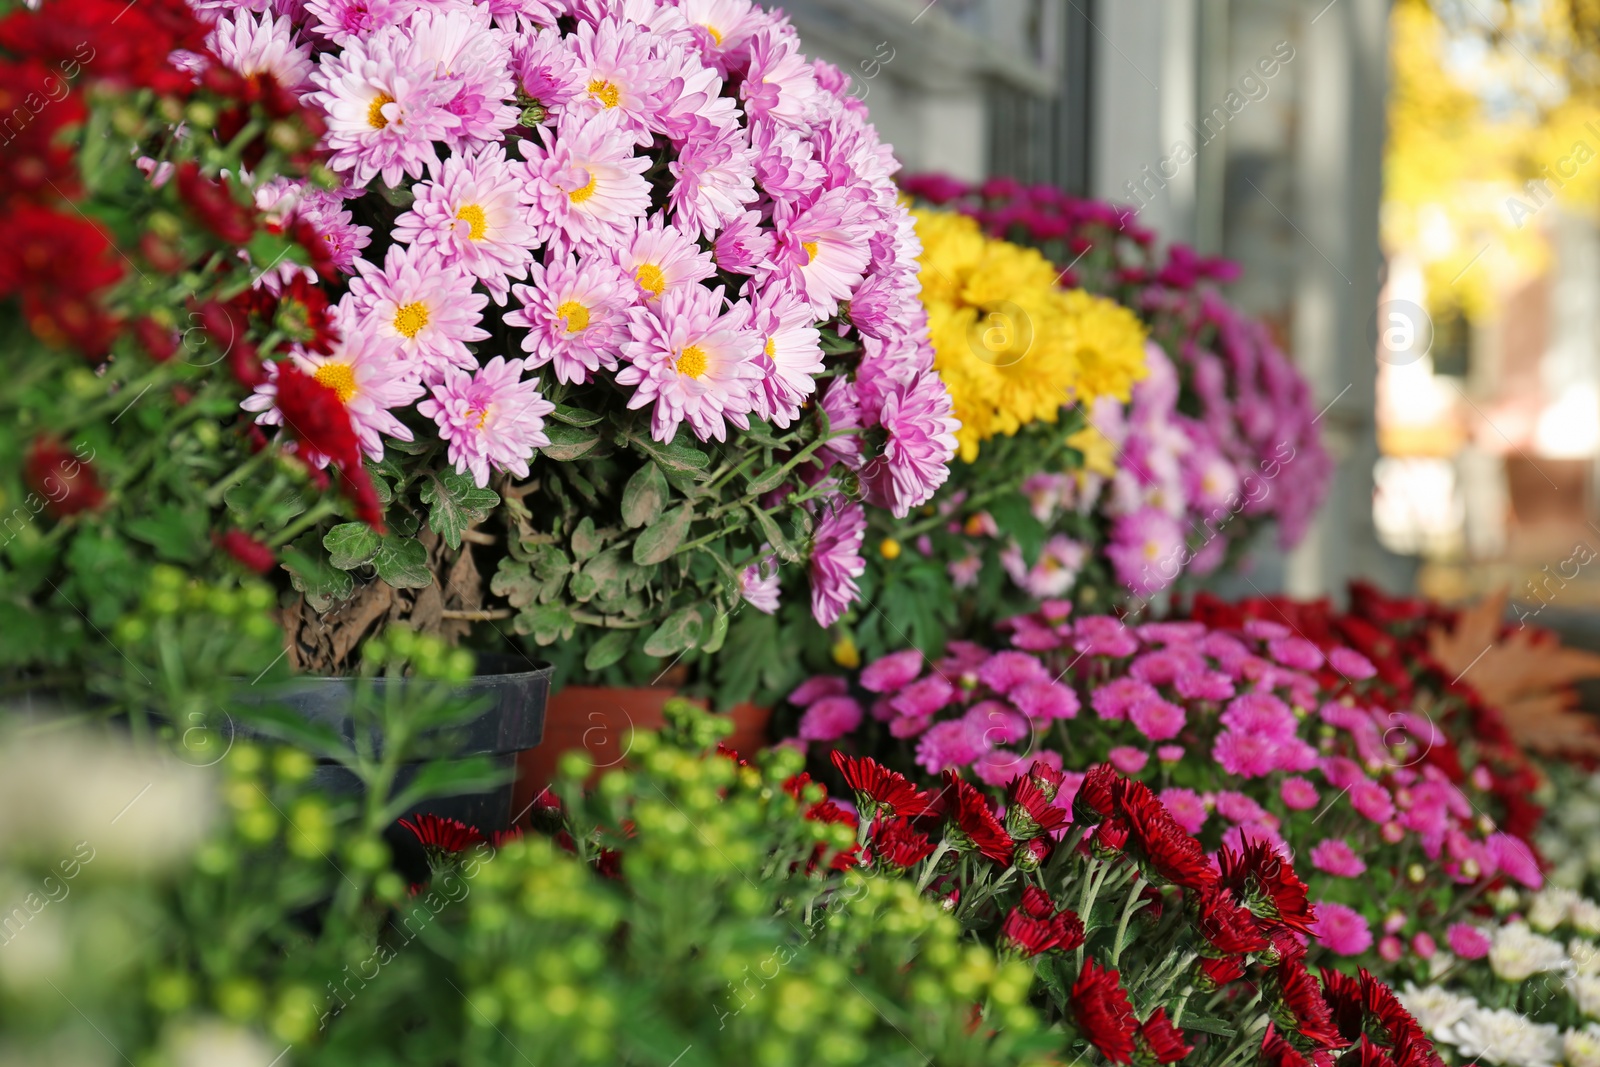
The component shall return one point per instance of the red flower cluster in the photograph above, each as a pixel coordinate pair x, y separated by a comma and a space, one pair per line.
1035, 925
314, 416
442, 837
971, 825
65, 481
1359, 1015
1105, 1018
880, 790
246, 550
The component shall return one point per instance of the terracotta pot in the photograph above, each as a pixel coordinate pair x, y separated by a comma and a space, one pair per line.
597, 719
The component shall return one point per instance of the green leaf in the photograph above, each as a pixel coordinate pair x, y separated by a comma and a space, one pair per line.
279, 722
586, 541
513, 581
774, 535
575, 416
548, 623
403, 563
1013, 515
644, 497
834, 345
719, 633
677, 455
681, 630
267, 247
454, 503
769, 479
659, 541
567, 443
312, 574
350, 544
583, 587
549, 561
177, 534
410, 448
447, 778
608, 650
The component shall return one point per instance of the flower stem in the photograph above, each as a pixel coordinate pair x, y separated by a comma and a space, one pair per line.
931, 866
1091, 887
1132, 904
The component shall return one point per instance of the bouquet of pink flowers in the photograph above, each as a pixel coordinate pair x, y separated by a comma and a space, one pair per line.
627, 279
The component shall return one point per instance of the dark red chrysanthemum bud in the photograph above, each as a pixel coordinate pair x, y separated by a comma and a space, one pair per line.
65, 480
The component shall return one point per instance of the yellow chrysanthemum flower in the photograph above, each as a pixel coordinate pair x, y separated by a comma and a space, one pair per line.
1011, 346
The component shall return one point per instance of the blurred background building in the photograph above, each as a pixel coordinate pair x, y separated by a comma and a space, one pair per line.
1252, 129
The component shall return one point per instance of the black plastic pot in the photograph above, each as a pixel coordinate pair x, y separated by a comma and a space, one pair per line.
513, 722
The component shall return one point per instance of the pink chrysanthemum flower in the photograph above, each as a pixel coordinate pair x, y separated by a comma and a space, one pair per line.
343, 21
620, 72
785, 165
1468, 941
1298, 794
1337, 858
383, 116
459, 47
1146, 550
690, 106
791, 355
369, 379
1185, 806
1127, 759
535, 12
661, 258
490, 419
951, 745
261, 45
472, 216
1053, 573
822, 249
1341, 929
693, 361
715, 179
780, 85
836, 560
829, 719
425, 307
893, 672
919, 442
1045, 700
547, 72
586, 185
1159, 720
576, 312
326, 214
814, 689
1117, 697
743, 246
759, 586
722, 29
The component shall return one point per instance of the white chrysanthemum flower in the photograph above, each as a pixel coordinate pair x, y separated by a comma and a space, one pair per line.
1581, 1048
1550, 907
1518, 953
218, 1044
1435, 1008
1507, 1038
1585, 956
1585, 915
1585, 992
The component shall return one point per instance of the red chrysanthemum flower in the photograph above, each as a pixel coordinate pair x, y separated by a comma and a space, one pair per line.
880, 790
1029, 812
1345, 1002
313, 414
1101, 1009
897, 843
1228, 929
1380, 1007
1093, 801
1110, 838
1299, 1005
1276, 1052
1024, 935
1169, 853
247, 550
41, 163
1366, 1054
214, 206
441, 837
975, 827
1035, 925
1030, 855
52, 254
1267, 885
1161, 1041
1218, 972
66, 483
502, 838
1047, 778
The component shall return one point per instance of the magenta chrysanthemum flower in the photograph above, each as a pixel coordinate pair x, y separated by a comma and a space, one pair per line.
383, 116
1260, 713
1204, 685
829, 719
1372, 800
743, 246
586, 186
836, 560
460, 48
1352, 664
491, 419
893, 672
1146, 550
814, 689
1158, 719
1514, 858
1238, 808
822, 249
1127, 759
1295, 652
780, 85
1337, 858
1298, 794
715, 179
919, 429
760, 590
620, 73
951, 745
1045, 700
370, 380
1185, 806
472, 216
426, 308
1341, 929
692, 360
1053, 574
344, 21
576, 313
791, 356
546, 71
1117, 697
1468, 941
1004, 671
923, 697
1103, 635
660, 258
261, 45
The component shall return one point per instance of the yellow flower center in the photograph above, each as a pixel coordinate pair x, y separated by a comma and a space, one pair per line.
1050, 564
575, 315
605, 92
650, 279
692, 361
1152, 549
477, 225
410, 319
716, 35
375, 116
483, 417
340, 377
811, 250
772, 348
578, 196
